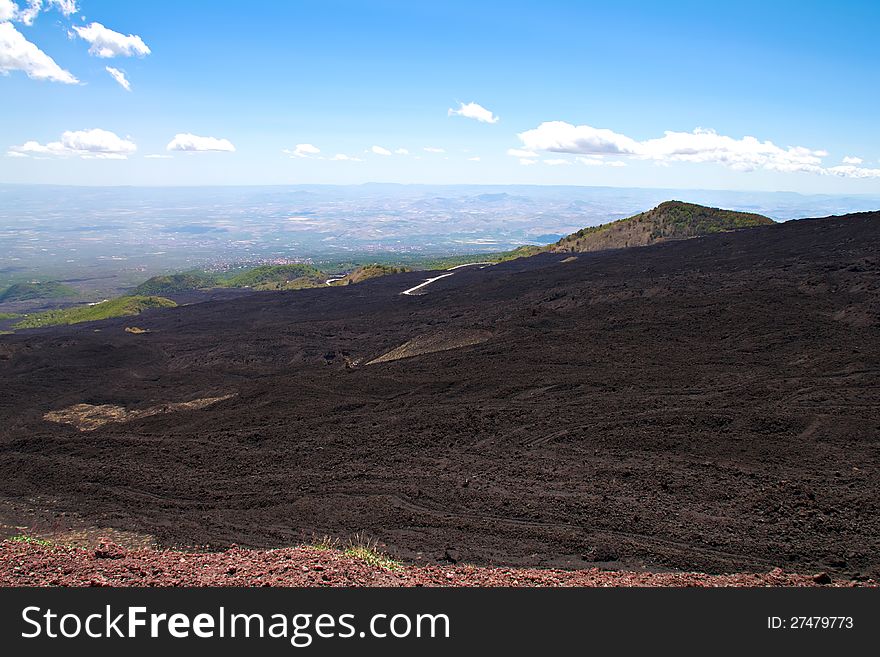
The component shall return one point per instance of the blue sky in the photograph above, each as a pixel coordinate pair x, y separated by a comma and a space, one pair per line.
623, 94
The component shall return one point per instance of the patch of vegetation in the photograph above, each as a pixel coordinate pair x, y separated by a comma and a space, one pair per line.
367, 550
265, 276
30, 540
37, 290
172, 283
301, 283
8, 316
367, 272
119, 307
493, 257
325, 543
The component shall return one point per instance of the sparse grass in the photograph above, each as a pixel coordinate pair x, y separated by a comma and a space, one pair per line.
30, 540
136, 330
325, 543
360, 546
9, 316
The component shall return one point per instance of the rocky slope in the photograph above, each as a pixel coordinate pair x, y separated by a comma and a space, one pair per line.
704, 405
672, 220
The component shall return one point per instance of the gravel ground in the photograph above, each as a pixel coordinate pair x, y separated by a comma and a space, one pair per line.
24, 564
709, 405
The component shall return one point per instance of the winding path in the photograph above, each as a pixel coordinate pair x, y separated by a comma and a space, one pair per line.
411, 290
451, 272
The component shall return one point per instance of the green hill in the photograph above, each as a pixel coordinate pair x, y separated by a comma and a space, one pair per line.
37, 290
672, 220
276, 277
367, 272
119, 307
160, 285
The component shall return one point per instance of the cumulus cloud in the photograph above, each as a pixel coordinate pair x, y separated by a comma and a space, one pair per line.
473, 111
302, 150
342, 157
8, 10
402, 151
378, 150
106, 43
119, 76
87, 144
475, 158
432, 149
701, 145
562, 137
19, 54
557, 162
190, 143
850, 171
850, 159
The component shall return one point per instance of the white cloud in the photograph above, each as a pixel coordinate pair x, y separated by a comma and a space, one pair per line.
616, 163
701, 145
432, 149
194, 144
19, 54
302, 150
107, 43
158, 156
402, 151
475, 158
119, 76
473, 111
15, 154
562, 137
557, 162
378, 150
87, 144
66, 7
526, 162
312, 152
518, 152
29, 14
850, 159
850, 171
8, 10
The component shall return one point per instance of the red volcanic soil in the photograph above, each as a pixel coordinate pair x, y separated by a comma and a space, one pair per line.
709, 405
23, 564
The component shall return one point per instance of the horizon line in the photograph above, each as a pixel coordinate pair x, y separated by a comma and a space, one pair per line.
475, 185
